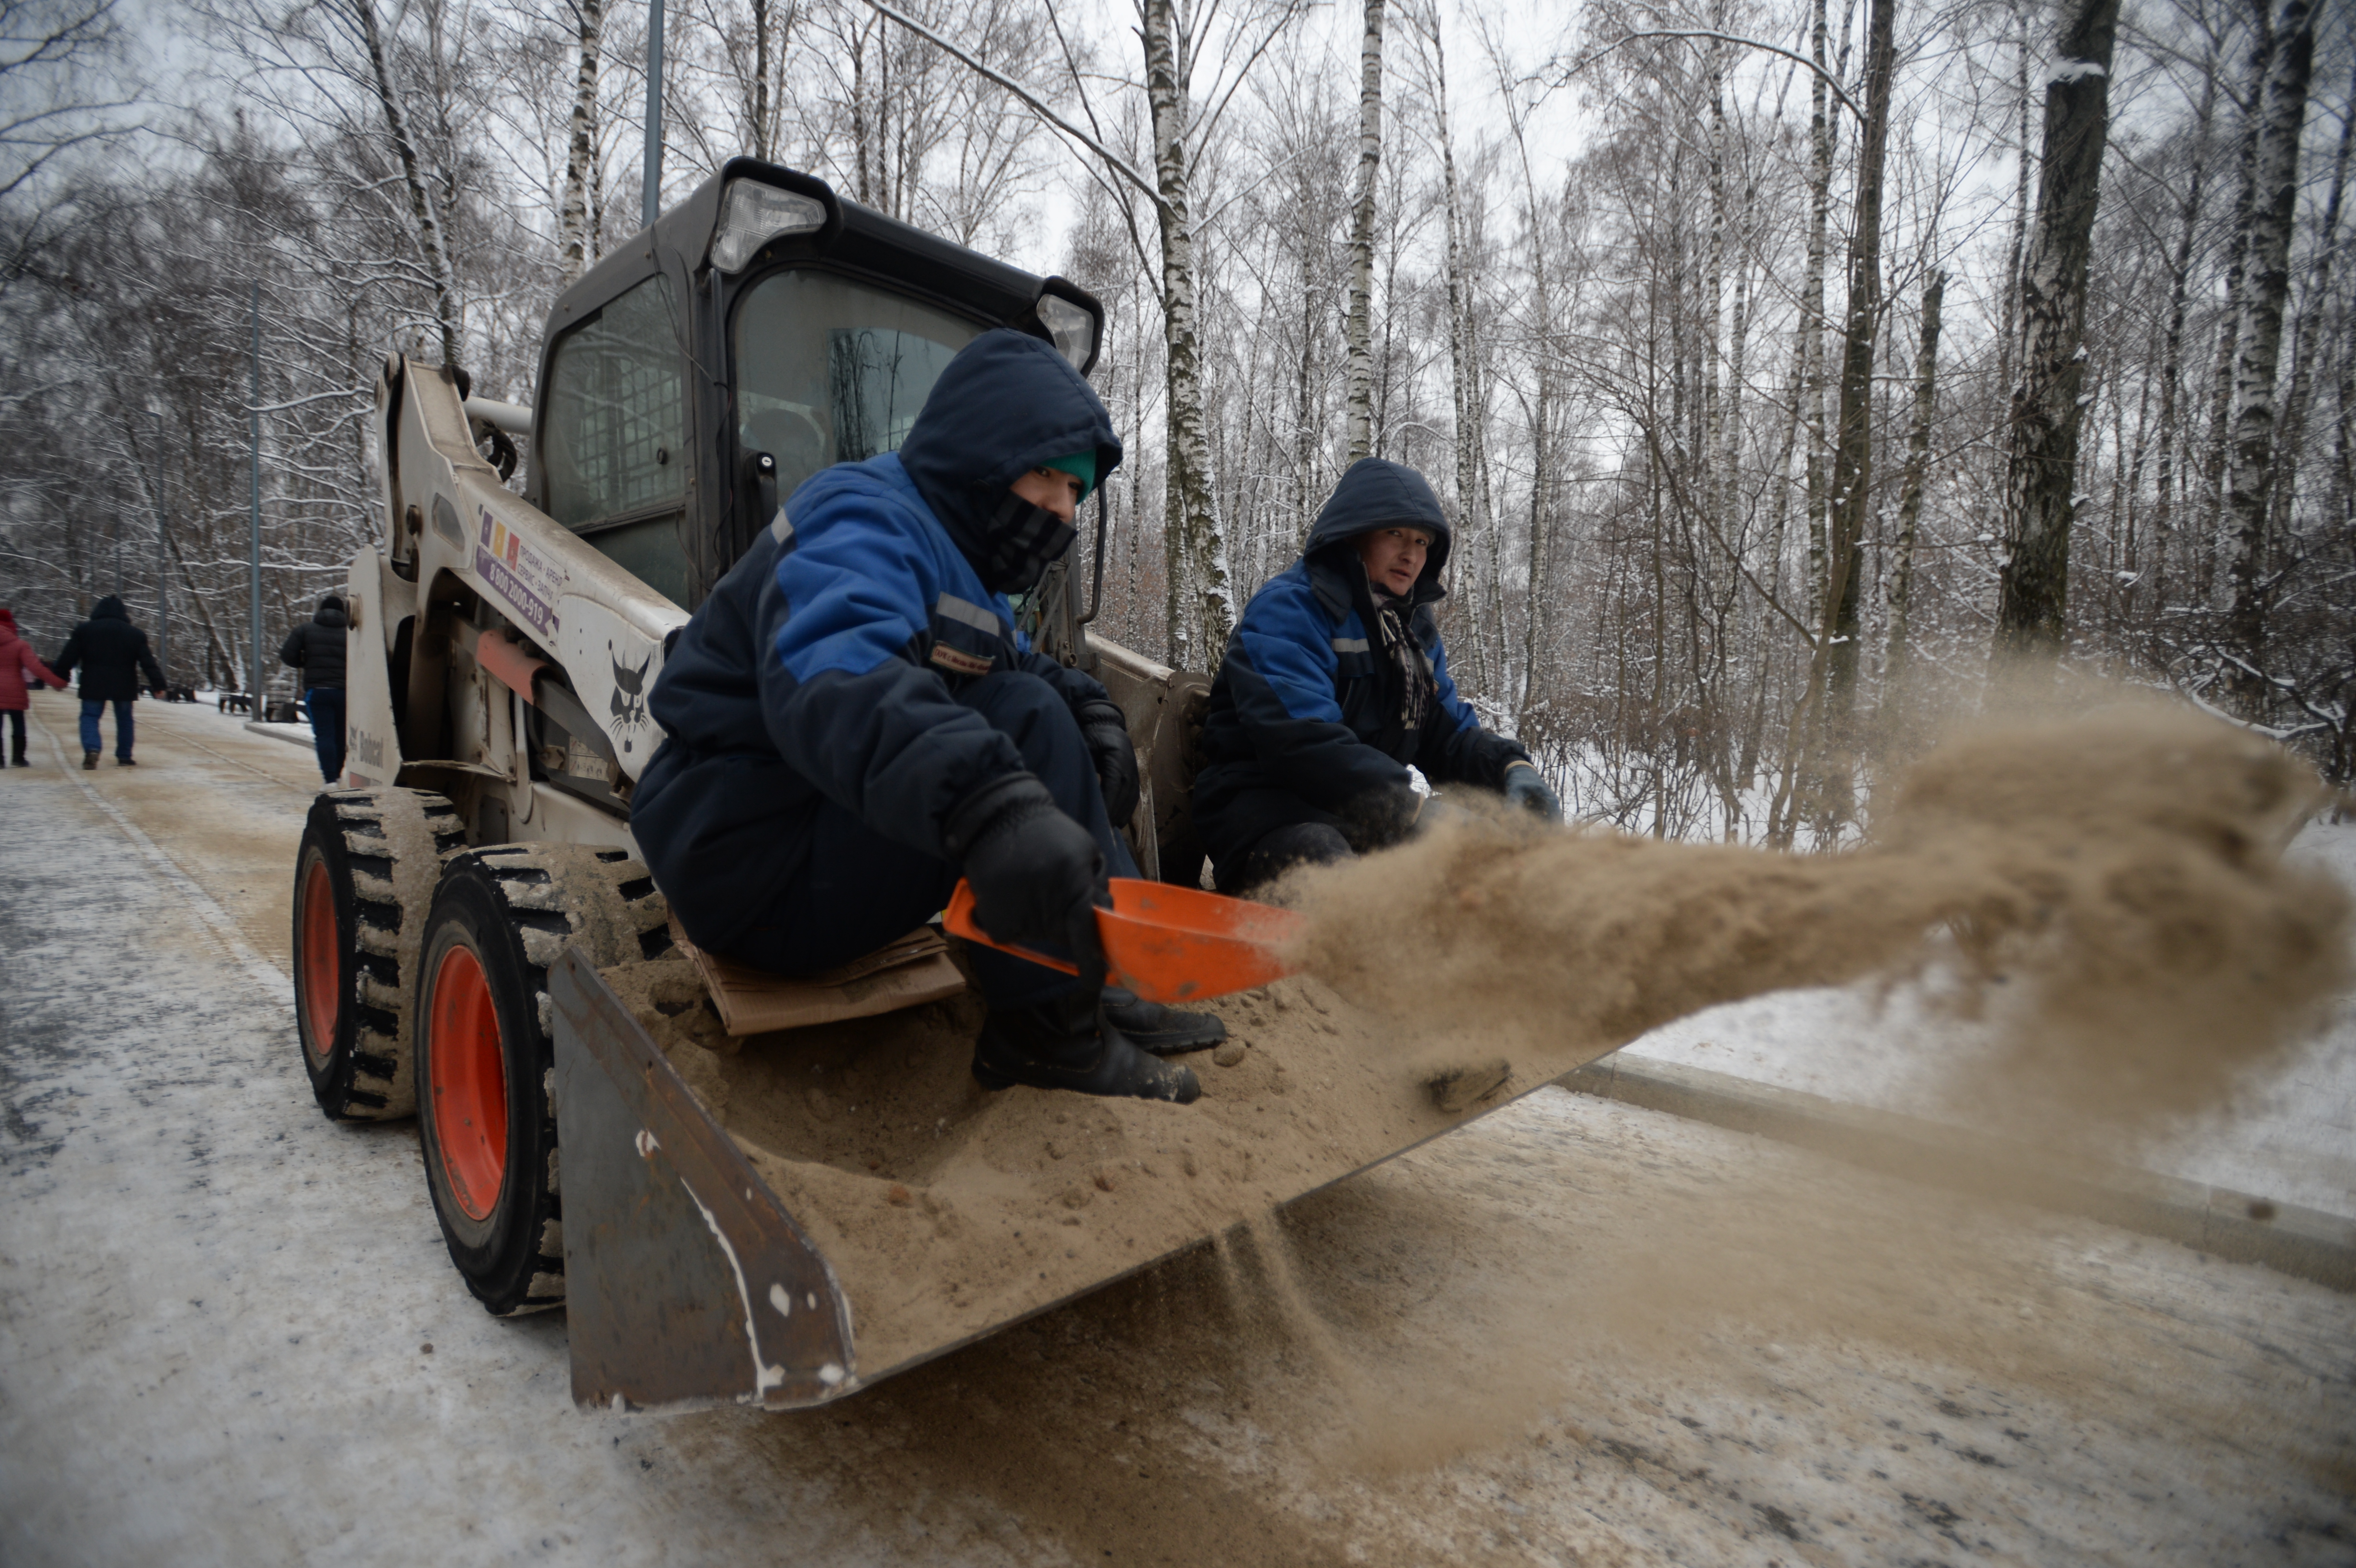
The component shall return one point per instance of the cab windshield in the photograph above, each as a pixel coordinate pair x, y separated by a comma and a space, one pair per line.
832, 370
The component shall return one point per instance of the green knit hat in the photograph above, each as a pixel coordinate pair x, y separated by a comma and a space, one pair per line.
1080, 466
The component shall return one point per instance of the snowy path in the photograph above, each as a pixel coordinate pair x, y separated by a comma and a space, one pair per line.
1576, 1330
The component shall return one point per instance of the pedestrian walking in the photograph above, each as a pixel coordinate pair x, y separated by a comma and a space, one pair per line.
111, 654
316, 648
19, 670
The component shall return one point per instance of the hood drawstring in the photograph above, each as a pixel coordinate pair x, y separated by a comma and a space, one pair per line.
1416, 685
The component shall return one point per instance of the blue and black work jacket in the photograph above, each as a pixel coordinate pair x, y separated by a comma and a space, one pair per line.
1305, 723
824, 666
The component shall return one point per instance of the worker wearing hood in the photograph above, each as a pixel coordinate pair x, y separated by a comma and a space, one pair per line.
1336, 685
852, 720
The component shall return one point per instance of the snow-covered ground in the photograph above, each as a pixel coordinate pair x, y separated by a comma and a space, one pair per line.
1575, 1331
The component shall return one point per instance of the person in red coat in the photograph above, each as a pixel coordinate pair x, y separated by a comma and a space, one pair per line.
19, 670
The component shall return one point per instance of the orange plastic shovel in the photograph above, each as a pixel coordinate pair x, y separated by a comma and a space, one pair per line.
1166, 942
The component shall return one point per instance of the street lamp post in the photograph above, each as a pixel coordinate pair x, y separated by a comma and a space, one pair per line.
651, 203
163, 562
255, 532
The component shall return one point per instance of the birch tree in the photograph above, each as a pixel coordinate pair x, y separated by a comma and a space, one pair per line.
1362, 235
2049, 404
1853, 454
1468, 404
576, 244
1201, 610
2272, 214
1918, 467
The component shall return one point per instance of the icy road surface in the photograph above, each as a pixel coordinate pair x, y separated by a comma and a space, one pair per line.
1577, 1331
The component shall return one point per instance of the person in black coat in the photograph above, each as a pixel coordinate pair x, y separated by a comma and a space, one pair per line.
316, 648
112, 655
1335, 694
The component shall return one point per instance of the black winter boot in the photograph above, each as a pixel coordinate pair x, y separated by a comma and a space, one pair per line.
1062, 1044
89, 761
1165, 1031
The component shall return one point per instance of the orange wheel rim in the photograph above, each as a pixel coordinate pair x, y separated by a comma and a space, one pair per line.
321, 962
469, 1083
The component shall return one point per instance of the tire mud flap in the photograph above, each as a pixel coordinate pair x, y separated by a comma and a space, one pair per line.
686, 1283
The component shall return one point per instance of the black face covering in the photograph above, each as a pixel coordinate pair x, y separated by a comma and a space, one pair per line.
1019, 543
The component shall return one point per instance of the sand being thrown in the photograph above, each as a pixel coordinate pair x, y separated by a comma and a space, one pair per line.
2116, 881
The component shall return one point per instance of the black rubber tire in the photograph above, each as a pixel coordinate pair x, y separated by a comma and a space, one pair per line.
379, 851
517, 907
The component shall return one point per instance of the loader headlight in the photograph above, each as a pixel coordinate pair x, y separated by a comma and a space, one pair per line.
1072, 329
752, 213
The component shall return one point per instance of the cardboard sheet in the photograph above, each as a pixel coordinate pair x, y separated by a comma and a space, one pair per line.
907, 973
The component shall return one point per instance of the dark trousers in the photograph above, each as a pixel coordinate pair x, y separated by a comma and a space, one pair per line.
16, 736
92, 741
327, 705
858, 890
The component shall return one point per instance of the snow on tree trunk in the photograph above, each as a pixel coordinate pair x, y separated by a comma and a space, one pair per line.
2171, 367
2273, 216
1464, 370
2041, 463
2291, 444
758, 142
1306, 434
1812, 313
1736, 355
1542, 453
1853, 457
573, 221
1910, 495
2007, 335
1708, 459
1201, 610
420, 201
1361, 236
2237, 257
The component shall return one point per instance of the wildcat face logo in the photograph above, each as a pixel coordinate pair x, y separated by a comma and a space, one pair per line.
629, 699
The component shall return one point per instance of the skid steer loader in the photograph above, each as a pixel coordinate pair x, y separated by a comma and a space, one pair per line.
469, 909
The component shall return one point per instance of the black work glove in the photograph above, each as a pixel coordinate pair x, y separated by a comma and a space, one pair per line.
1038, 877
1381, 816
1106, 730
1526, 787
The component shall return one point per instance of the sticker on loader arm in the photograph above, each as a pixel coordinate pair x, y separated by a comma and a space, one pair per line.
529, 581
614, 663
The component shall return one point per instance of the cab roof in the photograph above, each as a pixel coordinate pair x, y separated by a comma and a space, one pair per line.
855, 237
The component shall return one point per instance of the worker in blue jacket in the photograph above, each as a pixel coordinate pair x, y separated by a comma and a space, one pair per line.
852, 719
1336, 685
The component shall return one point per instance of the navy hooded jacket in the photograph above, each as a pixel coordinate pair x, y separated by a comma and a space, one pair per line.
822, 664
1305, 710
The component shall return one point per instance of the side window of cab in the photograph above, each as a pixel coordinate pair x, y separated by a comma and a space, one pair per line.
612, 436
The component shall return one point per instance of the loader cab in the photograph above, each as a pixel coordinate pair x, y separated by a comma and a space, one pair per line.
761, 330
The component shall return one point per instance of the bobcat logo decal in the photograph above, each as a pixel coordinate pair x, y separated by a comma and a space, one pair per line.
629, 699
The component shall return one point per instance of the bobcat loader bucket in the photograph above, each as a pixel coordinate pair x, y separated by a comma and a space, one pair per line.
687, 1282
751, 1238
